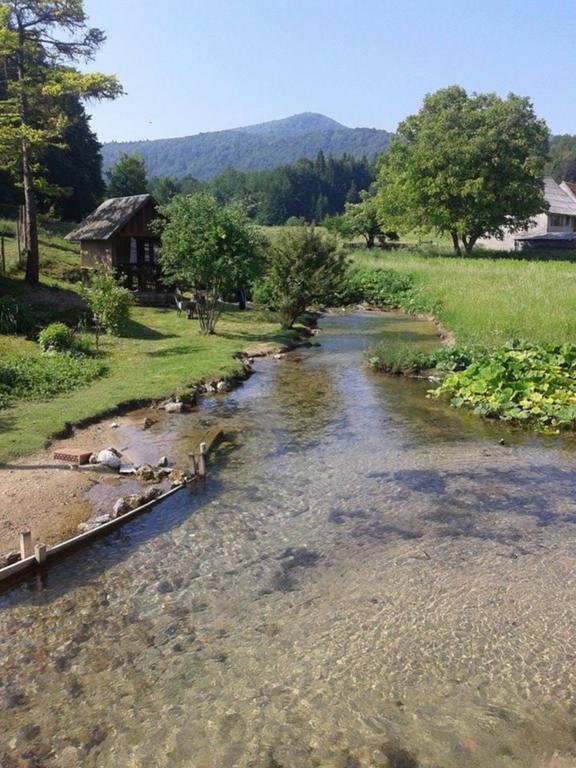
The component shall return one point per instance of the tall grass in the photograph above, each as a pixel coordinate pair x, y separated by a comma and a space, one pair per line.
488, 301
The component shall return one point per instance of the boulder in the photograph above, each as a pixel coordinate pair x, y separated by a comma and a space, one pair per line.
109, 457
147, 474
150, 494
101, 519
174, 407
222, 386
178, 477
162, 461
89, 526
127, 504
148, 422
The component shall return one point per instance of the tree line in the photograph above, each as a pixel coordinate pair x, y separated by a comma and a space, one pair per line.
307, 190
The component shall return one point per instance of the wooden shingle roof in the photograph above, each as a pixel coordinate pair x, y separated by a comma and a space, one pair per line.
108, 218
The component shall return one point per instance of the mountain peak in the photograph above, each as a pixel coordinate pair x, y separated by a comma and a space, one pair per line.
295, 125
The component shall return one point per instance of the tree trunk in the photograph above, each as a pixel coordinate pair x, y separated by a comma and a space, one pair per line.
456, 243
30, 219
469, 243
369, 240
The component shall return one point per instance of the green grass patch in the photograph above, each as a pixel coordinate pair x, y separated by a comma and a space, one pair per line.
487, 304
159, 355
41, 377
488, 301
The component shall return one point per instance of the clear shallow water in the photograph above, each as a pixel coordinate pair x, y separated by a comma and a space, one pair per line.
369, 579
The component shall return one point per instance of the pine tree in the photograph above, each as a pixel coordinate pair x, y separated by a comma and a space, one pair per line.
39, 40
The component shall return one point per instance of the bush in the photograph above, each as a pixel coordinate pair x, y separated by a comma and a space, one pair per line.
377, 286
304, 266
109, 304
56, 337
30, 377
263, 294
14, 316
402, 359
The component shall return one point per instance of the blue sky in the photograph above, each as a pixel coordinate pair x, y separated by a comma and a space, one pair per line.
203, 65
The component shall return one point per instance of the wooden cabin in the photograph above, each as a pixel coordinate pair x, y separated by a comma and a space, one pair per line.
118, 234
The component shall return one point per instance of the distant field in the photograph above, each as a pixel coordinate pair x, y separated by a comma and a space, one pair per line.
491, 300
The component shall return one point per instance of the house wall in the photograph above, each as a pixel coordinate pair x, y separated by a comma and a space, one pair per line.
507, 244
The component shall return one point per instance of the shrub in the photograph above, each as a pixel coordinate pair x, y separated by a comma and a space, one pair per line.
14, 316
31, 377
109, 304
56, 337
263, 294
304, 266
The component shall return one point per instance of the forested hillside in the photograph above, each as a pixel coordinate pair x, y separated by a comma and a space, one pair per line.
252, 148
562, 162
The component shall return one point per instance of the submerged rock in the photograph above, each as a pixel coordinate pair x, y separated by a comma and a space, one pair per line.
174, 407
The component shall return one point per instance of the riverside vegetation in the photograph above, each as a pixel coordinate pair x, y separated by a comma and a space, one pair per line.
513, 356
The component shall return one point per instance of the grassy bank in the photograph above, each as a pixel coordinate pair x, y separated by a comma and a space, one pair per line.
514, 327
489, 301
161, 354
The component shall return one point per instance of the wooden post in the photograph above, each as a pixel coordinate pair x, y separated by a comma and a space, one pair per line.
26, 548
202, 460
40, 553
3, 255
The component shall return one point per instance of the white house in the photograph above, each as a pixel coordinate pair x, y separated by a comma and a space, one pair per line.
553, 229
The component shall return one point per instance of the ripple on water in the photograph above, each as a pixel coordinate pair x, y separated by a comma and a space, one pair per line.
368, 580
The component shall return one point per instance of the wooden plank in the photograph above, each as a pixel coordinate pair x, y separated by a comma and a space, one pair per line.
58, 550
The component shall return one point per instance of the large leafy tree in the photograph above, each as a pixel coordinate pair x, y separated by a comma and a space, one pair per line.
465, 165
304, 267
127, 177
210, 249
40, 40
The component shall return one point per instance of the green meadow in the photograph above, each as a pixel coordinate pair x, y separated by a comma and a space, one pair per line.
490, 300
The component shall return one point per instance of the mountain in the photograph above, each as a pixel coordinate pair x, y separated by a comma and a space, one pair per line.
251, 148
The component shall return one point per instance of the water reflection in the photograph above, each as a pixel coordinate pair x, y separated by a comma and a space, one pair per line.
369, 579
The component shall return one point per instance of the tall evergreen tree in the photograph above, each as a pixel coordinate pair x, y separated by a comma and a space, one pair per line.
39, 40
127, 177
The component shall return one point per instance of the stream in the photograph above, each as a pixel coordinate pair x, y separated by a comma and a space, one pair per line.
368, 579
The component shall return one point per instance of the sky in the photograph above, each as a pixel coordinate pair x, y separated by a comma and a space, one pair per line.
190, 66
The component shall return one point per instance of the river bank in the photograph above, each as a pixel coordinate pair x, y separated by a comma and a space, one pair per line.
52, 498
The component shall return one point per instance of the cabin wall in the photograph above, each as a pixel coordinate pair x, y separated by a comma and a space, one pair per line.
140, 224
96, 252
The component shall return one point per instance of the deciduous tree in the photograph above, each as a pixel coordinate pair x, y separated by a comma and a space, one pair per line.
210, 249
465, 165
304, 266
